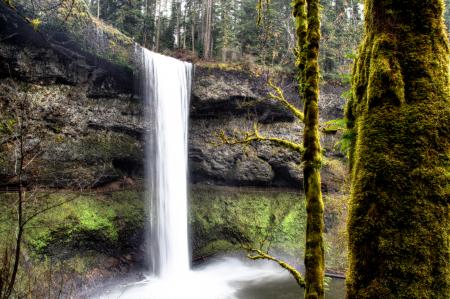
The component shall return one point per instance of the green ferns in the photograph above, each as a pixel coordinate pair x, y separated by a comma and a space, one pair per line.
399, 114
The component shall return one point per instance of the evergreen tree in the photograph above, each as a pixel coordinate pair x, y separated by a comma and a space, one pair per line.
400, 115
341, 31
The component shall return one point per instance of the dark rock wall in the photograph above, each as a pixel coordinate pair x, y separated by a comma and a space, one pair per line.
95, 124
231, 101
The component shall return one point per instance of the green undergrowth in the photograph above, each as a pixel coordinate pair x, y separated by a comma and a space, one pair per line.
223, 219
79, 221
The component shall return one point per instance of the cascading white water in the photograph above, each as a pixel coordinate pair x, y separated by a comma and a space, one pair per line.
167, 91
166, 84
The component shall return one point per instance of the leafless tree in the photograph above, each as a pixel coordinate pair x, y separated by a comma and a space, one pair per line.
21, 146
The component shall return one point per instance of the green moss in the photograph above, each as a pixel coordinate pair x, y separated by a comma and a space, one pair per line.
222, 66
99, 218
90, 219
215, 247
232, 217
79, 264
400, 116
333, 126
308, 38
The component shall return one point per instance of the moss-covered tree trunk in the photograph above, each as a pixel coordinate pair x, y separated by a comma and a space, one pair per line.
308, 35
400, 115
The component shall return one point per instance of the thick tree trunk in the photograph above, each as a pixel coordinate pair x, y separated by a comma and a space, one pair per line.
308, 37
399, 220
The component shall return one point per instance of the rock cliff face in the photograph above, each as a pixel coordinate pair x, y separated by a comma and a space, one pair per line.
231, 101
94, 125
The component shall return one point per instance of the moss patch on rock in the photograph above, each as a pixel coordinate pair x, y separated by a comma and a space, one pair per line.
95, 227
224, 219
89, 221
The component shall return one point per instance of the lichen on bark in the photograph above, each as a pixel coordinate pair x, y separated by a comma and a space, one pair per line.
306, 14
399, 113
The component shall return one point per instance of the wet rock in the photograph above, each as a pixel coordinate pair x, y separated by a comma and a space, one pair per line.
95, 127
218, 93
253, 170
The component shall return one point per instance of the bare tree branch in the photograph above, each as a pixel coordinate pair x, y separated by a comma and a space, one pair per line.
247, 137
278, 95
259, 254
47, 208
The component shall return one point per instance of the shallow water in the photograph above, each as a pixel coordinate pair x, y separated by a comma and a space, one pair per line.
228, 278
285, 288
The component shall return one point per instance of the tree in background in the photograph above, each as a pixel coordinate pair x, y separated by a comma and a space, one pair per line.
227, 31
226, 40
341, 32
400, 116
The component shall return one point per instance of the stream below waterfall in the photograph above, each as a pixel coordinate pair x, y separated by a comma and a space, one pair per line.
226, 278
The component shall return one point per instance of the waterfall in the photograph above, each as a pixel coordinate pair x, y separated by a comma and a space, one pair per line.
166, 88
166, 84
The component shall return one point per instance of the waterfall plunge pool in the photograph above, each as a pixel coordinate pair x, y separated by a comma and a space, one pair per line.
225, 278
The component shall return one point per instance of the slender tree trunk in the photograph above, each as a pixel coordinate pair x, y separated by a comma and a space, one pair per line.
144, 34
18, 244
308, 37
184, 26
355, 13
178, 31
193, 12
399, 113
193, 34
98, 8
340, 7
207, 30
314, 256
20, 221
158, 27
